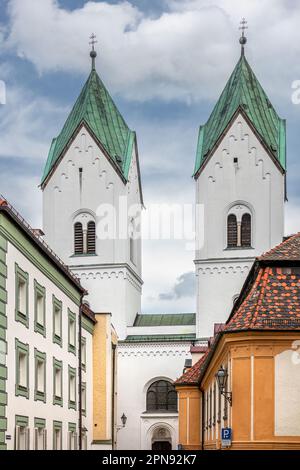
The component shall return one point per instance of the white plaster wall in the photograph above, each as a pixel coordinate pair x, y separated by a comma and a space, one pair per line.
287, 394
138, 366
162, 330
218, 283
105, 274
29, 407
257, 182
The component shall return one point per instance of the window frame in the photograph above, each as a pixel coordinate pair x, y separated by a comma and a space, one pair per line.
71, 318
83, 401
72, 374
167, 404
78, 253
57, 426
23, 276
83, 348
41, 291
22, 422
21, 390
57, 365
57, 304
39, 357
40, 424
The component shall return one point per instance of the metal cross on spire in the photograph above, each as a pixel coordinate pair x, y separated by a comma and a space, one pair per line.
243, 39
93, 53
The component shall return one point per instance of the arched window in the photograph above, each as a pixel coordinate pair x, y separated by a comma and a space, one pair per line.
246, 230
78, 238
161, 396
232, 232
91, 237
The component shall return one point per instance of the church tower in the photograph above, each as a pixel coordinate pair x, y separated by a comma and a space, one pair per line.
240, 186
92, 201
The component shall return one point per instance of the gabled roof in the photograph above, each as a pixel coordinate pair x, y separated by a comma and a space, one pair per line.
169, 319
243, 92
97, 111
191, 376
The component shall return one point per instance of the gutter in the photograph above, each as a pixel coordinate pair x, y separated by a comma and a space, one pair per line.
80, 374
113, 396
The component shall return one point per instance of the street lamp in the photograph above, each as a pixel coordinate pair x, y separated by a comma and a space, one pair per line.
124, 419
222, 377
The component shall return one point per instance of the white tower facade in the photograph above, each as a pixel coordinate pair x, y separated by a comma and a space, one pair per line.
240, 185
92, 202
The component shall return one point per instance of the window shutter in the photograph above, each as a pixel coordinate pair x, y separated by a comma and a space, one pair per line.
232, 236
246, 230
91, 237
75, 441
69, 440
78, 239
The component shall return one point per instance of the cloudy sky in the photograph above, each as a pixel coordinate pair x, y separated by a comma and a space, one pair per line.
165, 62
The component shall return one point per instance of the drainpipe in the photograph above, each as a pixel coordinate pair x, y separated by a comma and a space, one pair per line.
113, 396
80, 375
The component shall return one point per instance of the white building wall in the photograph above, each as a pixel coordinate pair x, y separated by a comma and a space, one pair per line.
66, 196
287, 393
139, 365
255, 182
87, 377
29, 407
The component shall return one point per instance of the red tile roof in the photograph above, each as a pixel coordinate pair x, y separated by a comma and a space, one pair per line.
288, 250
191, 376
273, 302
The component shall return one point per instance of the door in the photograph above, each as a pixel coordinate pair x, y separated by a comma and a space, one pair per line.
161, 446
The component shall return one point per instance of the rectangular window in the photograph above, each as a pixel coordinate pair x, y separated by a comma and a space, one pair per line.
83, 353
72, 388
72, 332
57, 435
57, 321
40, 434
22, 369
39, 309
21, 287
72, 437
40, 376
57, 382
83, 398
22, 436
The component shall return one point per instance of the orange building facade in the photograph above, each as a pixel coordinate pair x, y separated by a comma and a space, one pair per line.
259, 348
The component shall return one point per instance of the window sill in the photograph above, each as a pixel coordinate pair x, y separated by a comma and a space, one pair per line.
237, 248
82, 255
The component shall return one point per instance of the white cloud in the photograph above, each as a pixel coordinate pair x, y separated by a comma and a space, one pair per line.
27, 123
185, 53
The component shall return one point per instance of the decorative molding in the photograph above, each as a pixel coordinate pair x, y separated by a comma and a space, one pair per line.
230, 269
153, 350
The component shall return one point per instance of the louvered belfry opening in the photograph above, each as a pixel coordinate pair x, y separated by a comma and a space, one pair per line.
232, 232
91, 238
246, 230
78, 238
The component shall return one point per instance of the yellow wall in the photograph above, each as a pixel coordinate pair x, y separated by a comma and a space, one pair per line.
103, 338
250, 360
189, 399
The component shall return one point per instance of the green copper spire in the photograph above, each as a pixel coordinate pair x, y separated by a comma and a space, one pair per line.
96, 110
244, 93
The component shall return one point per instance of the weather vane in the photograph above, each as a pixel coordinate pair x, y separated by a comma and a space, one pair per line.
243, 39
93, 53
